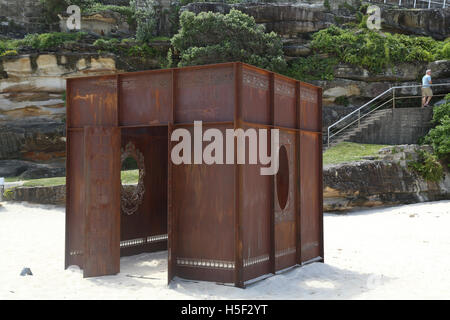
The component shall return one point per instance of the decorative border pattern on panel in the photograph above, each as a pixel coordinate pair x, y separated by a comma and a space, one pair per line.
255, 260
76, 252
255, 80
284, 88
286, 214
142, 241
205, 263
137, 82
285, 252
202, 78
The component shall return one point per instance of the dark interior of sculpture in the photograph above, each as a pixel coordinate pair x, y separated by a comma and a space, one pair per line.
219, 222
143, 217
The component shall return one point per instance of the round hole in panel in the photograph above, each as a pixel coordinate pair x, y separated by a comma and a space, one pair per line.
282, 178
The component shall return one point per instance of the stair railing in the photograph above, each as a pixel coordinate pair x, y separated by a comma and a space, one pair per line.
387, 98
426, 4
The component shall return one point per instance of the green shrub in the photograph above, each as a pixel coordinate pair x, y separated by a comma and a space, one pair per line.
42, 41
128, 48
50, 40
441, 111
428, 166
213, 37
145, 19
312, 68
439, 136
376, 51
8, 53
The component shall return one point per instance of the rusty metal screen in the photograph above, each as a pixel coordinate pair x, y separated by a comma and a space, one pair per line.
220, 222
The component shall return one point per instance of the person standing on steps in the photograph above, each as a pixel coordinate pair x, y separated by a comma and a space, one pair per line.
426, 89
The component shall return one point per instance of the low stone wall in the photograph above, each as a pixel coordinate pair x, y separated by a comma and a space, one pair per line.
43, 195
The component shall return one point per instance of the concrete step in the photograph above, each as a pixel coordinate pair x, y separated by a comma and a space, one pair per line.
356, 129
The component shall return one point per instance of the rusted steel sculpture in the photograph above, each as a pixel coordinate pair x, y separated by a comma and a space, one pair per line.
221, 222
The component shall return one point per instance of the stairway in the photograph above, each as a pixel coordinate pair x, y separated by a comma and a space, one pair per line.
354, 130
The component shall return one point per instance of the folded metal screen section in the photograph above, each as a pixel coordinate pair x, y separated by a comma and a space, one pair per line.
225, 223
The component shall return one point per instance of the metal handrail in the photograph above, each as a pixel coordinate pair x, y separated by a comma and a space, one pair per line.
357, 120
443, 3
358, 111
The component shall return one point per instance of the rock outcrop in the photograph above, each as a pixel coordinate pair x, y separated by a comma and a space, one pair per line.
380, 182
32, 109
433, 22
104, 23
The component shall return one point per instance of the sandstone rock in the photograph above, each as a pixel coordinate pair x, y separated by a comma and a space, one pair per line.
432, 22
296, 50
24, 139
32, 170
103, 64
398, 72
374, 183
104, 23
440, 69
47, 64
17, 66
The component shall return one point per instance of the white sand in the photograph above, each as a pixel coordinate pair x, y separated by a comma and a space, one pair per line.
392, 253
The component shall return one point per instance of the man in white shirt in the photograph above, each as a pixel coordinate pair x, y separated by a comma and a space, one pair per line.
426, 89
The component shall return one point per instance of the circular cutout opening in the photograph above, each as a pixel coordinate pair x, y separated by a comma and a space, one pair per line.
283, 178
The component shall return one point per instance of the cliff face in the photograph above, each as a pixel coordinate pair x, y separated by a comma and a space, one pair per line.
32, 109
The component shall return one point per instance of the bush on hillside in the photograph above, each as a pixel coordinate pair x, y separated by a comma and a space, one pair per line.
439, 136
375, 50
213, 37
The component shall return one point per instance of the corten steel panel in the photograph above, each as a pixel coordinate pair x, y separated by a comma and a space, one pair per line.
285, 103
285, 206
310, 196
205, 94
311, 222
203, 206
256, 210
75, 199
310, 112
102, 196
93, 101
145, 98
151, 217
255, 105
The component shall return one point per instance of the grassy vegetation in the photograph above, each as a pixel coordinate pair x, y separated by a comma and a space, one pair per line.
313, 67
45, 182
375, 50
129, 176
349, 151
43, 41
